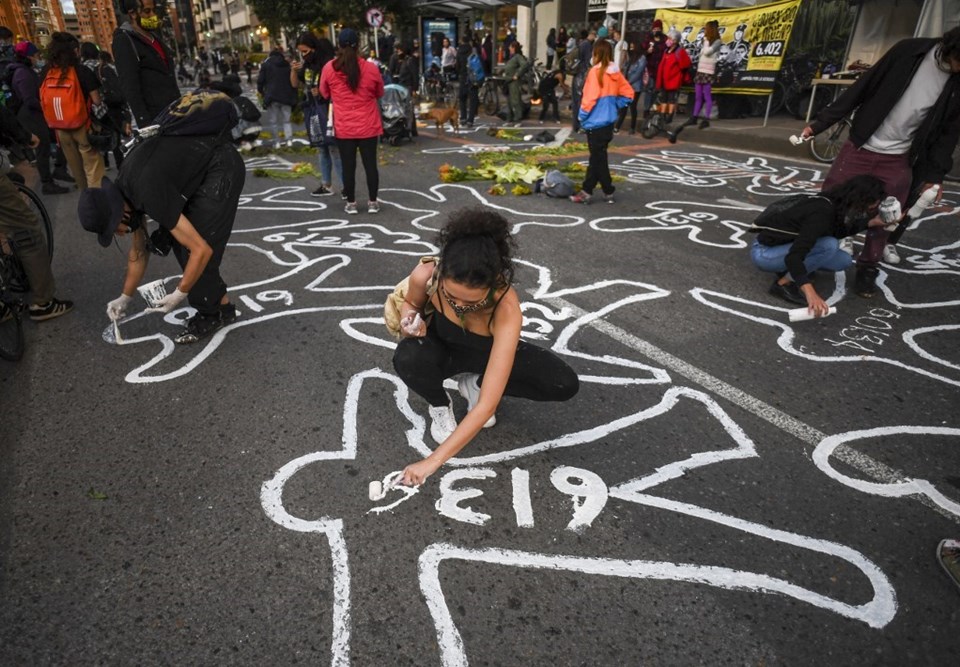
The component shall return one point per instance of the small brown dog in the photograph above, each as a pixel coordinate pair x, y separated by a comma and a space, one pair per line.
443, 116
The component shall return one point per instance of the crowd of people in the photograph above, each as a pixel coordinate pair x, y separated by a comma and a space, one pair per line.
69, 107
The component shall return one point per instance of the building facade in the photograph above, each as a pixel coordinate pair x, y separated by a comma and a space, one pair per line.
16, 15
92, 21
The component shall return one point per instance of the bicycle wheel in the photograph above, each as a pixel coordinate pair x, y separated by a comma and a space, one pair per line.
491, 101
35, 204
793, 100
826, 146
11, 332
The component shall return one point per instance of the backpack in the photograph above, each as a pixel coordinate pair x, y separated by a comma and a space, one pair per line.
556, 184
475, 72
774, 211
8, 94
198, 113
62, 100
110, 86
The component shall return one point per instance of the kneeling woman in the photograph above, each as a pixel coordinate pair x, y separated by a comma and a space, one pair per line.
795, 242
471, 327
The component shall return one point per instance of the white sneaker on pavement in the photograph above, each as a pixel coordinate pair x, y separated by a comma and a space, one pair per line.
470, 390
890, 254
442, 423
846, 245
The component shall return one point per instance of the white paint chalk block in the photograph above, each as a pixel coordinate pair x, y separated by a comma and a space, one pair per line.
802, 314
376, 490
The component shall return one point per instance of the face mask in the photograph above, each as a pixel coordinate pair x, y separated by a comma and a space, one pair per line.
39, 63
150, 22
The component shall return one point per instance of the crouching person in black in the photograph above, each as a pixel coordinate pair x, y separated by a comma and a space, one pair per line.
190, 185
801, 235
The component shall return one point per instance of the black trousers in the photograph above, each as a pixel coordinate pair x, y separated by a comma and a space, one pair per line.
633, 112
35, 124
348, 158
469, 101
538, 374
598, 168
545, 102
212, 210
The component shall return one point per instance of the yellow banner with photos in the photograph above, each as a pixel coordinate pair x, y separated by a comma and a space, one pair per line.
754, 42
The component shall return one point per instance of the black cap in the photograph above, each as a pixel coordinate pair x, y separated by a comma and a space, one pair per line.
101, 209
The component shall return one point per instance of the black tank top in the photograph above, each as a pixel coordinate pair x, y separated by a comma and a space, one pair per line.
452, 334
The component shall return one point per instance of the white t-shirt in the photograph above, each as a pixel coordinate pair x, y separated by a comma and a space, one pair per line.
896, 132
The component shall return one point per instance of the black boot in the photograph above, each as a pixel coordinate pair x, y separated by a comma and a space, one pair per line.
692, 120
865, 281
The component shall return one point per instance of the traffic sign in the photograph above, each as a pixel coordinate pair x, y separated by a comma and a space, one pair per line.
375, 17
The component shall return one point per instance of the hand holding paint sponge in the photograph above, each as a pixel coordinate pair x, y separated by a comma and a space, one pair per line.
377, 490
797, 140
411, 325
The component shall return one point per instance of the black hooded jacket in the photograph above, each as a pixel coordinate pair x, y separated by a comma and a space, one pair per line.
149, 84
876, 92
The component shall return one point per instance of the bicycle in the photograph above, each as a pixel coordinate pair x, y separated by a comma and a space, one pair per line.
793, 87
13, 279
490, 94
825, 146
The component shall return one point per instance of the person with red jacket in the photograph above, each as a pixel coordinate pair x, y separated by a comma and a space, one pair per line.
353, 86
674, 64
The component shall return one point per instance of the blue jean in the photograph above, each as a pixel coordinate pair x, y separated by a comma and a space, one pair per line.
277, 116
825, 254
330, 160
649, 93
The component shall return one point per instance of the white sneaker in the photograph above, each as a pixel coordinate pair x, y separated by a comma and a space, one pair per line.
470, 390
443, 423
846, 245
890, 254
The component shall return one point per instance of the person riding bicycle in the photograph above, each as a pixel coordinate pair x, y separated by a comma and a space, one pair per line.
23, 232
190, 185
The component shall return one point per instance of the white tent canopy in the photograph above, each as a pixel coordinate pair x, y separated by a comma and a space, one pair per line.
620, 6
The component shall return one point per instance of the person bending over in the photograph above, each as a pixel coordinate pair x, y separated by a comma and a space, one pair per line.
462, 317
794, 242
191, 186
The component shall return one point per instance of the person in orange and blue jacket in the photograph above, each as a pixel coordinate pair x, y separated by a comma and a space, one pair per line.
605, 92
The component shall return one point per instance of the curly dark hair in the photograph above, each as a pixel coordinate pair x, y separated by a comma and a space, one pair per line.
476, 248
62, 51
855, 194
950, 44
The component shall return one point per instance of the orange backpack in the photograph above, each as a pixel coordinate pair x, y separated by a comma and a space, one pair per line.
62, 99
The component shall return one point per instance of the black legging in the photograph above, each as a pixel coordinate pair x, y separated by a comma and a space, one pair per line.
424, 363
633, 112
598, 169
368, 155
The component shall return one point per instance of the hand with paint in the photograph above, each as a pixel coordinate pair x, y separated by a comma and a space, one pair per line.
169, 302
807, 133
416, 474
816, 306
413, 326
117, 308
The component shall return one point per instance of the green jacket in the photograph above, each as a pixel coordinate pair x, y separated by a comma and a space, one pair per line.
516, 66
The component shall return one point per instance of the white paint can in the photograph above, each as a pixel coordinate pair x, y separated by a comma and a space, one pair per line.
803, 314
153, 292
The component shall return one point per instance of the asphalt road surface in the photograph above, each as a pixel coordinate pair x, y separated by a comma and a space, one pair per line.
727, 487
